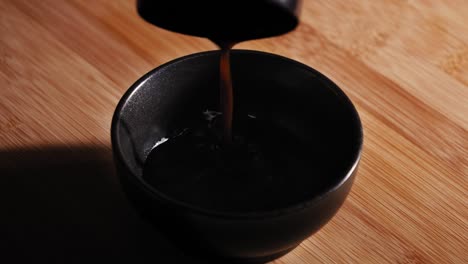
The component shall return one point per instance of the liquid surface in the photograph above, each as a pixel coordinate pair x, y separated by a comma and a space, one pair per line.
264, 168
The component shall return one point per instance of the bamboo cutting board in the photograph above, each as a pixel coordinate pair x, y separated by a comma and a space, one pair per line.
65, 64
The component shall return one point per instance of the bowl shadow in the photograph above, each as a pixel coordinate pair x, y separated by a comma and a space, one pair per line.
62, 204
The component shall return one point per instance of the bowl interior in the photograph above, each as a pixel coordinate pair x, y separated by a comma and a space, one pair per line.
312, 107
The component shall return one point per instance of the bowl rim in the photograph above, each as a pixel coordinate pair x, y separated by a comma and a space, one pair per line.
183, 206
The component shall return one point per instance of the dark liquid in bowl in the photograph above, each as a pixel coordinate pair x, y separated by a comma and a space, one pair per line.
264, 168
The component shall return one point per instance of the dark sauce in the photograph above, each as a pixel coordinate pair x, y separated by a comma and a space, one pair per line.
263, 168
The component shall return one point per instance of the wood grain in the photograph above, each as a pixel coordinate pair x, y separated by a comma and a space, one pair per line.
65, 64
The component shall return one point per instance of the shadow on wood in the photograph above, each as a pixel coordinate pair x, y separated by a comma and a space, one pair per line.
64, 205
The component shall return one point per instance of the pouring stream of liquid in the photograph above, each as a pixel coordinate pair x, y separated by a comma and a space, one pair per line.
226, 92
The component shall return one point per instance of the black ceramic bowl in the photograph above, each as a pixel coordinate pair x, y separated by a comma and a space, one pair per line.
309, 102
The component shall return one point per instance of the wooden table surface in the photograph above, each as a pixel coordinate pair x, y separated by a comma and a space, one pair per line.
65, 64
